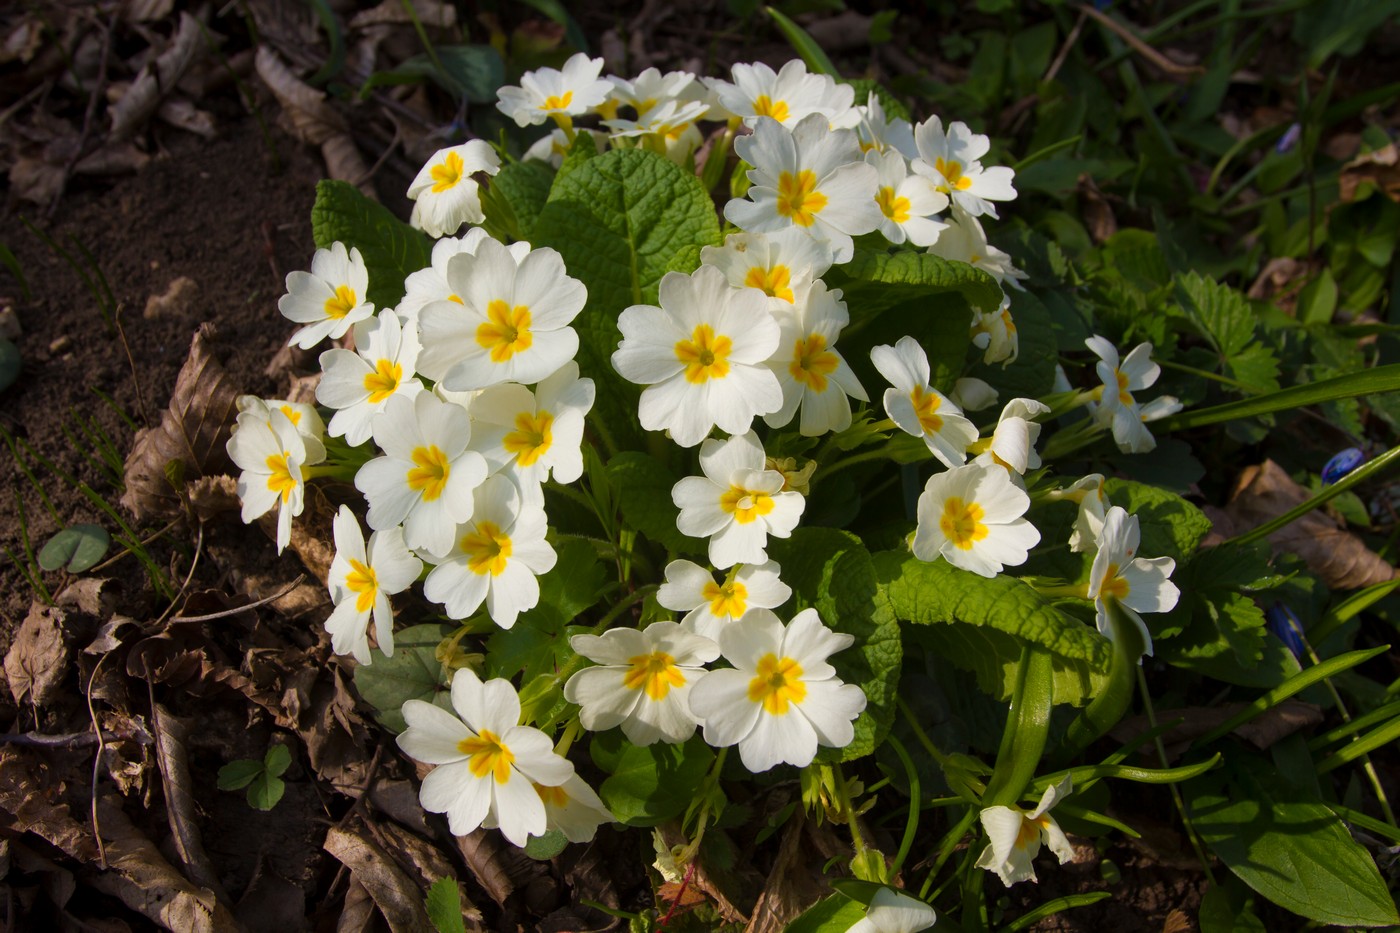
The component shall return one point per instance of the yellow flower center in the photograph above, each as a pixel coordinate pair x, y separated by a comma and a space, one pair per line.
506, 331
1009, 324
798, 197
952, 171
961, 523
552, 796
292, 414
1124, 395
487, 548
728, 599
280, 479
744, 504
363, 583
777, 683
656, 673
812, 362
532, 437
430, 472
775, 282
763, 106
446, 174
487, 754
891, 205
705, 355
558, 101
384, 381
1030, 830
926, 404
1113, 584
341, 303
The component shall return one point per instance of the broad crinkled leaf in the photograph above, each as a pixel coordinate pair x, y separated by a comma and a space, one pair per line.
413, 673
1224, 317
538, 643
513, 199
643, 487
875, 280
391, 248
1033, 373
653, 783
1170, 526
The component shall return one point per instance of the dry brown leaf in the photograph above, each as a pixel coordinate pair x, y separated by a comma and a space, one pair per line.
37, 662
35, 179
1178, 921
357, 910
212, 495
193, 430
24, 41
398, 898
1339, 558
486, 856
178, 296
114, 158
179, 801
311, 119
1098, 215
792, 886
32, 794
146, 11
1381, 168
429, 13
1271, 726
701, 879
157, 79
184, 115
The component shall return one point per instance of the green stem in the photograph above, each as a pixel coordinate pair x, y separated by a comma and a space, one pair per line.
911, 823
1105, 709
843, 800
1175, 790
1027, 726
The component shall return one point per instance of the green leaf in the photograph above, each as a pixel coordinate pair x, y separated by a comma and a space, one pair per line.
513, 199
653, 783
413, 673
1318, 300
894, 108
444, 905
79, 547
1222, 913
644, 487
237, 775
265, 791
1033, 373
277, 760
543, 848
874, 281
1287, 845
834, 914
803, 44
1220, 313
391, 248
980, 624
1368, 382
1170, 526
10, 363
538, 643
830, 571
556, 11
468, 72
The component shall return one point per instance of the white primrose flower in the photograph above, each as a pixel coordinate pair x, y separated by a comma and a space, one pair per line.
1117, 407
272, 456
329, 299
1138, 584
555, 145
709, 606
574, 809
305, 418
547, 93
907, 202
810, 177
426, 477
878, 133
894, 911
918, 408
950, 160
512, 324
651, 88
1014, 837
738, 503
641, 682
812, 373
429, 284
496, 557
972, 394
701, 354
1089, 495
669, 119
444, 193
994, 332
360, 382
782, 698
973, 517
963, 240
532, 434
361, 580
488, 765
787, 96
778, 264
1012, 444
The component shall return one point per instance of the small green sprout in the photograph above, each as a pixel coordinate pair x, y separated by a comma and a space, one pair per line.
262, 778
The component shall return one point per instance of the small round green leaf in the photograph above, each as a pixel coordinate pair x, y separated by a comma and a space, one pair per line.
79, 547
277, 760
237, 775
413, 673
265, 791
9, 363
543, 848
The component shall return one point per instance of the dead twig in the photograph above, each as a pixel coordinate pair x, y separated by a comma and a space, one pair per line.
223, 614
66, 739
84, 135
1156, 58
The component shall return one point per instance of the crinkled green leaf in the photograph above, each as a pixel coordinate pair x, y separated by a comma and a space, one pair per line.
653, 783
894, 108
644, 491
444, 905
513, 199
980, 624
413, 673
538, 643
543, 848
391, 248
831, 571
1033, 373
1220, 312
875, 280
939, 325
1170, 526
1216, 628
77, 547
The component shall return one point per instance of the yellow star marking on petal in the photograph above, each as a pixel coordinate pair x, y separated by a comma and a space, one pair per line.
812, 362
280, 479
777, 684
744, 504
292, 414
487, 754
552, 796
384, 381
488, 549
1113, 584
656, 673
341, 303
728, 599
961, 523
446, 174
1124, 395
775, 282
952, 171
558, 101
1030, 829
798, 197
705, 355
532, 437
891, 205
763, 106
506, 331
926, 404
430, 472
362, 581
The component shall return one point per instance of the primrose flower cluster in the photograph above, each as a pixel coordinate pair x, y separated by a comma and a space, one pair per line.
453, 410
